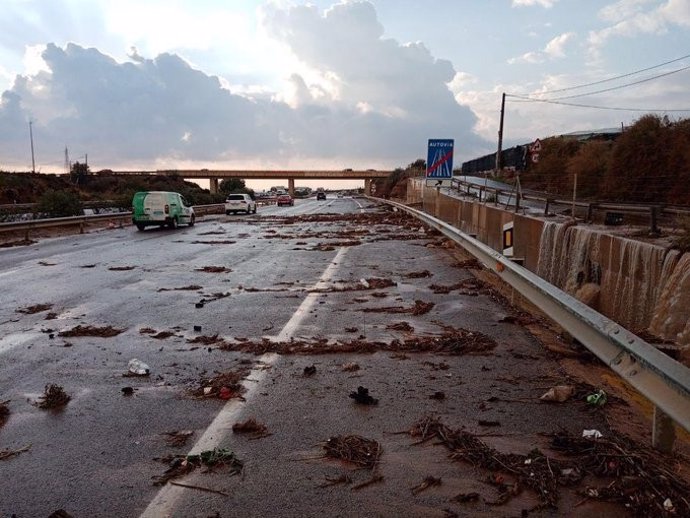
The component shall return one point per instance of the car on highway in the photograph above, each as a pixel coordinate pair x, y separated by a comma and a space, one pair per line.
235, 203
320, 195
284, 199
161, 208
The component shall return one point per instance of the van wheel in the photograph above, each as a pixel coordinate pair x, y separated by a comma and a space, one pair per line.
173, 223
247, 211
141, 227
254, 209
192, 220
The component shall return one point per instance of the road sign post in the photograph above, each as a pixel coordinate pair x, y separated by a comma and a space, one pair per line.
439, 162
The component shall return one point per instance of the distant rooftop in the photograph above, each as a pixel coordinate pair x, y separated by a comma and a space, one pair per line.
587, 134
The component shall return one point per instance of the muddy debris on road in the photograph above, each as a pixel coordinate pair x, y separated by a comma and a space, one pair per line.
191, 287
419, 275
251, 427
419, 308
214, 269
372, 283
181, 465
453, 341
4, 412
121, 268
103, 332
401, 326
225, 385
54, 396
36, 308
205, 340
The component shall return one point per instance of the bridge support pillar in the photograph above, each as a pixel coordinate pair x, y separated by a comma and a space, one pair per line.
213, 185
291, 187
367, 186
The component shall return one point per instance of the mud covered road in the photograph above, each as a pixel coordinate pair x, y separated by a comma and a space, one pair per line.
329, 359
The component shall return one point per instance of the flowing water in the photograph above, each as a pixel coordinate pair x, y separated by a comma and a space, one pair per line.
640, 285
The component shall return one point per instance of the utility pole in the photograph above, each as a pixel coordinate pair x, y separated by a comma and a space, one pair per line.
67, 167
31, 136
500, 134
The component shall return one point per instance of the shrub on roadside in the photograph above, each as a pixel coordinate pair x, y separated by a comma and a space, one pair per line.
57, 204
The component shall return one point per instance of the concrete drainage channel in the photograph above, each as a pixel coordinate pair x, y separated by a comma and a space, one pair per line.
662, 380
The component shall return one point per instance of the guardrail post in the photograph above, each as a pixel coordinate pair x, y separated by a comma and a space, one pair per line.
546, 207
590, 209
81, 227
654, 213
663, 431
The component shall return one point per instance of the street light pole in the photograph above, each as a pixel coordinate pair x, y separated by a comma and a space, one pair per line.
31, 136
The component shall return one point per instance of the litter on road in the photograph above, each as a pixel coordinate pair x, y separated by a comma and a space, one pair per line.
54, 396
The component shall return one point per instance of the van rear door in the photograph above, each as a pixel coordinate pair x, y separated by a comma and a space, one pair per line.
154, 206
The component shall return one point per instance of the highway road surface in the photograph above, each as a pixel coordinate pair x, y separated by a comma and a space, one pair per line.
272, 322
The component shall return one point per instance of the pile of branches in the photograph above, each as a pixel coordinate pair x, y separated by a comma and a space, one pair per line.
353, 448
642, 480
54, 396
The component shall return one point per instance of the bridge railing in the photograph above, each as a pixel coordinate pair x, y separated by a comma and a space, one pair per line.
658, 377
652, 212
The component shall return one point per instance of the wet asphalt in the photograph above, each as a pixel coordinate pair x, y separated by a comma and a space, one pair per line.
97, 456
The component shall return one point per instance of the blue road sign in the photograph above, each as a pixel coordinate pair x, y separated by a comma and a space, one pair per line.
439, 159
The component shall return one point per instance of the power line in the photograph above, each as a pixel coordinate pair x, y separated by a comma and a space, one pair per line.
622, 86
614, 78
549, 101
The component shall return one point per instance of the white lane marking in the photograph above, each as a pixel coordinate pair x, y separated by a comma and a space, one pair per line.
163, 504
308, 302
9, 342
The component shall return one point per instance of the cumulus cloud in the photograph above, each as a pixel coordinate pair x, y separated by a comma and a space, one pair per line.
530, 3
629, 18
554, 49
360, 98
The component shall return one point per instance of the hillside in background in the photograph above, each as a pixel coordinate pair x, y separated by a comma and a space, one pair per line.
31, 187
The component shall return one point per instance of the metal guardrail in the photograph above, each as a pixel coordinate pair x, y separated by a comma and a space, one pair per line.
662, 380
81, 221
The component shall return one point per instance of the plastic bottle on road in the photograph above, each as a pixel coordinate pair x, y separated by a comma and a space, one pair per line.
138, 367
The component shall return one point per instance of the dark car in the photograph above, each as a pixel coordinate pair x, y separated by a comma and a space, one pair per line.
320, 195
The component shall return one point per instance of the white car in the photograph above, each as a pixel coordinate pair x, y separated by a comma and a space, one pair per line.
239, 203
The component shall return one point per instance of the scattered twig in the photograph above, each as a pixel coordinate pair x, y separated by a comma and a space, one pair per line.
372, 480
6, 454
200, 488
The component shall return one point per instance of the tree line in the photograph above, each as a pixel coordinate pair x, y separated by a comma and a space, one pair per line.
649, 163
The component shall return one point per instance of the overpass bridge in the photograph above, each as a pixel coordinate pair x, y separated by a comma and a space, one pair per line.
214, 175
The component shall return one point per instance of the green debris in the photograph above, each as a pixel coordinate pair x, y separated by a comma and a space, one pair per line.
597, 399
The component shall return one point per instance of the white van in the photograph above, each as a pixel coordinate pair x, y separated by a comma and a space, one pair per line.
161, 208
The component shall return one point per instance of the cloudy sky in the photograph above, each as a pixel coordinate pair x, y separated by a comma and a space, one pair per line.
290, 84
